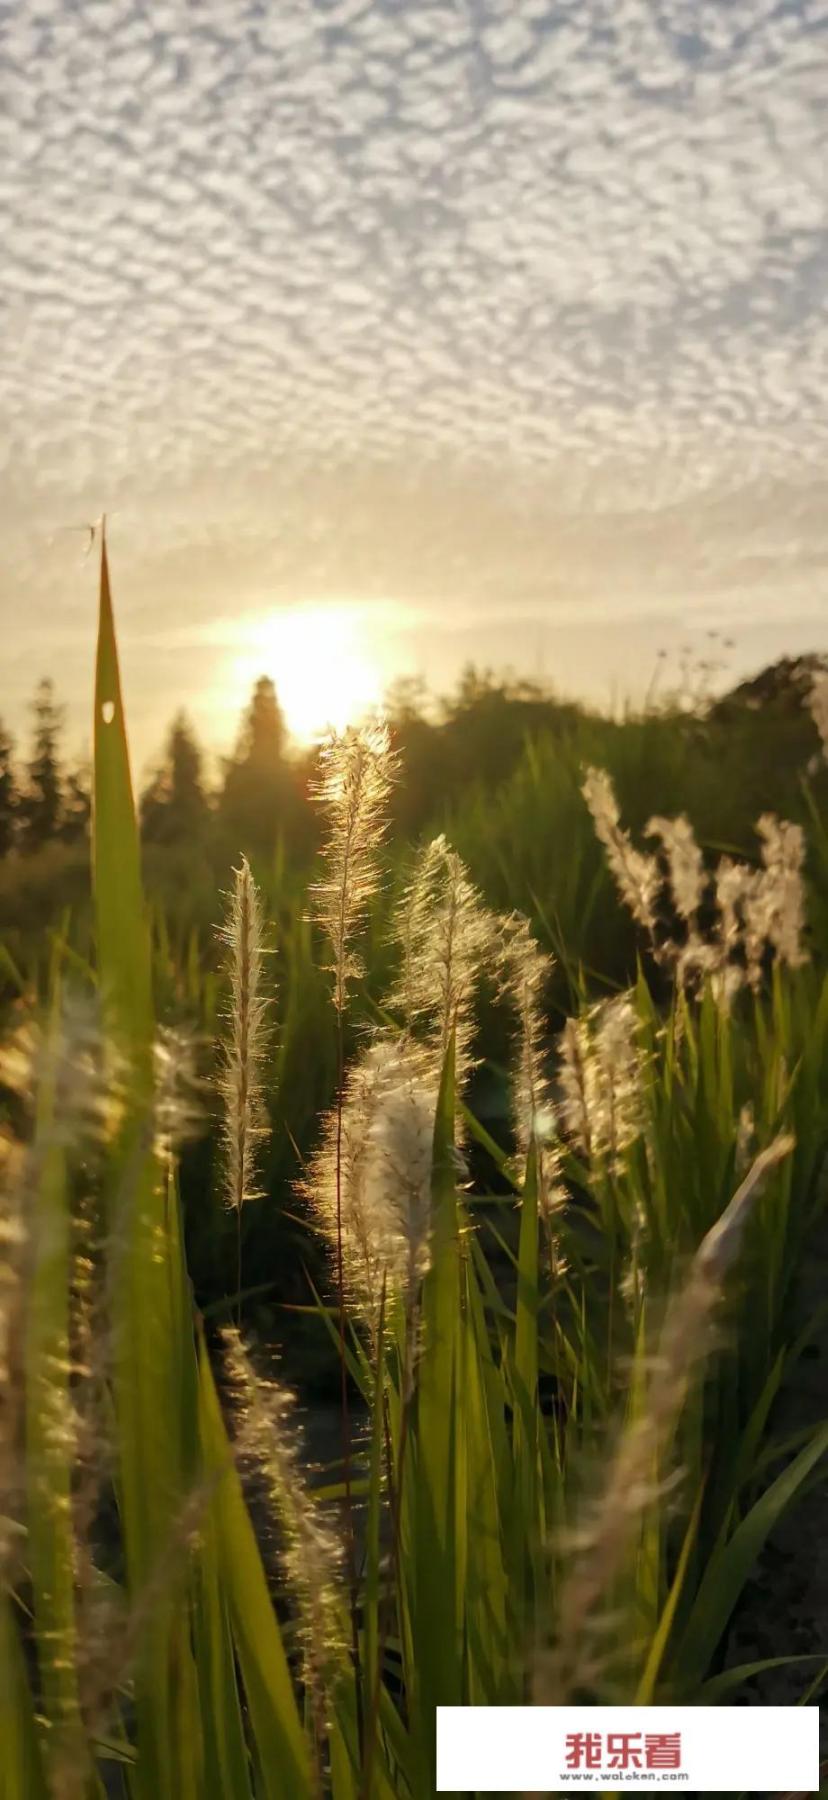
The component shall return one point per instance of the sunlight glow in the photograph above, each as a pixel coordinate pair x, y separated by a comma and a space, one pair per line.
321, 660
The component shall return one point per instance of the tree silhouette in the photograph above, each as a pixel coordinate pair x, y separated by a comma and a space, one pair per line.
8, 792
42, 800
262, 734
77, 804
259, 799
174, 807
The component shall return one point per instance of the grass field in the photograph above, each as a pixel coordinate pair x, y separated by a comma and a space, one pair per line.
512, 1142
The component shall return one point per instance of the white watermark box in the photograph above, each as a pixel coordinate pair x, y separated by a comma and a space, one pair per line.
631, 1749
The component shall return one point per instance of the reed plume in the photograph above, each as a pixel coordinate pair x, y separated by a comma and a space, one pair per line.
685, 864
445, 933
268, 1437
356, 774
779, 897
600, 1076
244, 1123
369, 1183
357, 770
733, 882
636, 876
178, 1110
58, 1071
66, 1057
758, 909
525, 971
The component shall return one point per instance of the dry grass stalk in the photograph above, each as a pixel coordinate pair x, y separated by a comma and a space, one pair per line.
240, 1079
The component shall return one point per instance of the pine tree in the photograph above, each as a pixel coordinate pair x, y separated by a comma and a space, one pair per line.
8, 792
259, 802
42, 801
174, 808
262, 736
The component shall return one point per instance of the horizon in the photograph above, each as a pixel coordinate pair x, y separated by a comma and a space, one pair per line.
712, 677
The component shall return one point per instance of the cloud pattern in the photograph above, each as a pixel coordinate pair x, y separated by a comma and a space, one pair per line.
255, 250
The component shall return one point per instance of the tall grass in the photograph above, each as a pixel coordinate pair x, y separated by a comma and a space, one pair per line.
564, 1468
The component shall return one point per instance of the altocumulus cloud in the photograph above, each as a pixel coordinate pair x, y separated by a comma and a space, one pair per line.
395, 295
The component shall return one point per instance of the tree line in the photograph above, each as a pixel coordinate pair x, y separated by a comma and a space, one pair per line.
46, 799
260, 798
260, 793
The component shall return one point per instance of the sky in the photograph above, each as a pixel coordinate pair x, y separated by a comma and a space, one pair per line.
393, 335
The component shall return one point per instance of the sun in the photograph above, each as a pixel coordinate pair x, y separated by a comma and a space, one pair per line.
321, 662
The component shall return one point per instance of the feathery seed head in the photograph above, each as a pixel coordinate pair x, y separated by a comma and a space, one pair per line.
636, 876
445, 934
64, 1059
178, 1112
243, 1049
311, 1555
525, 970
779, 895
684, 862
18, 1059
733, 882
719, 1248
356, 773
757, 908
385, 1142
600, 1077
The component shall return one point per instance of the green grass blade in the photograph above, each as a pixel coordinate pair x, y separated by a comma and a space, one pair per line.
21, 1770
226, 1763
487, 1585
526, 1336
122, 929
371, 1625
437, 1629
142, 1281
712, 1692
526, 1314
661, 1636
730, 1566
